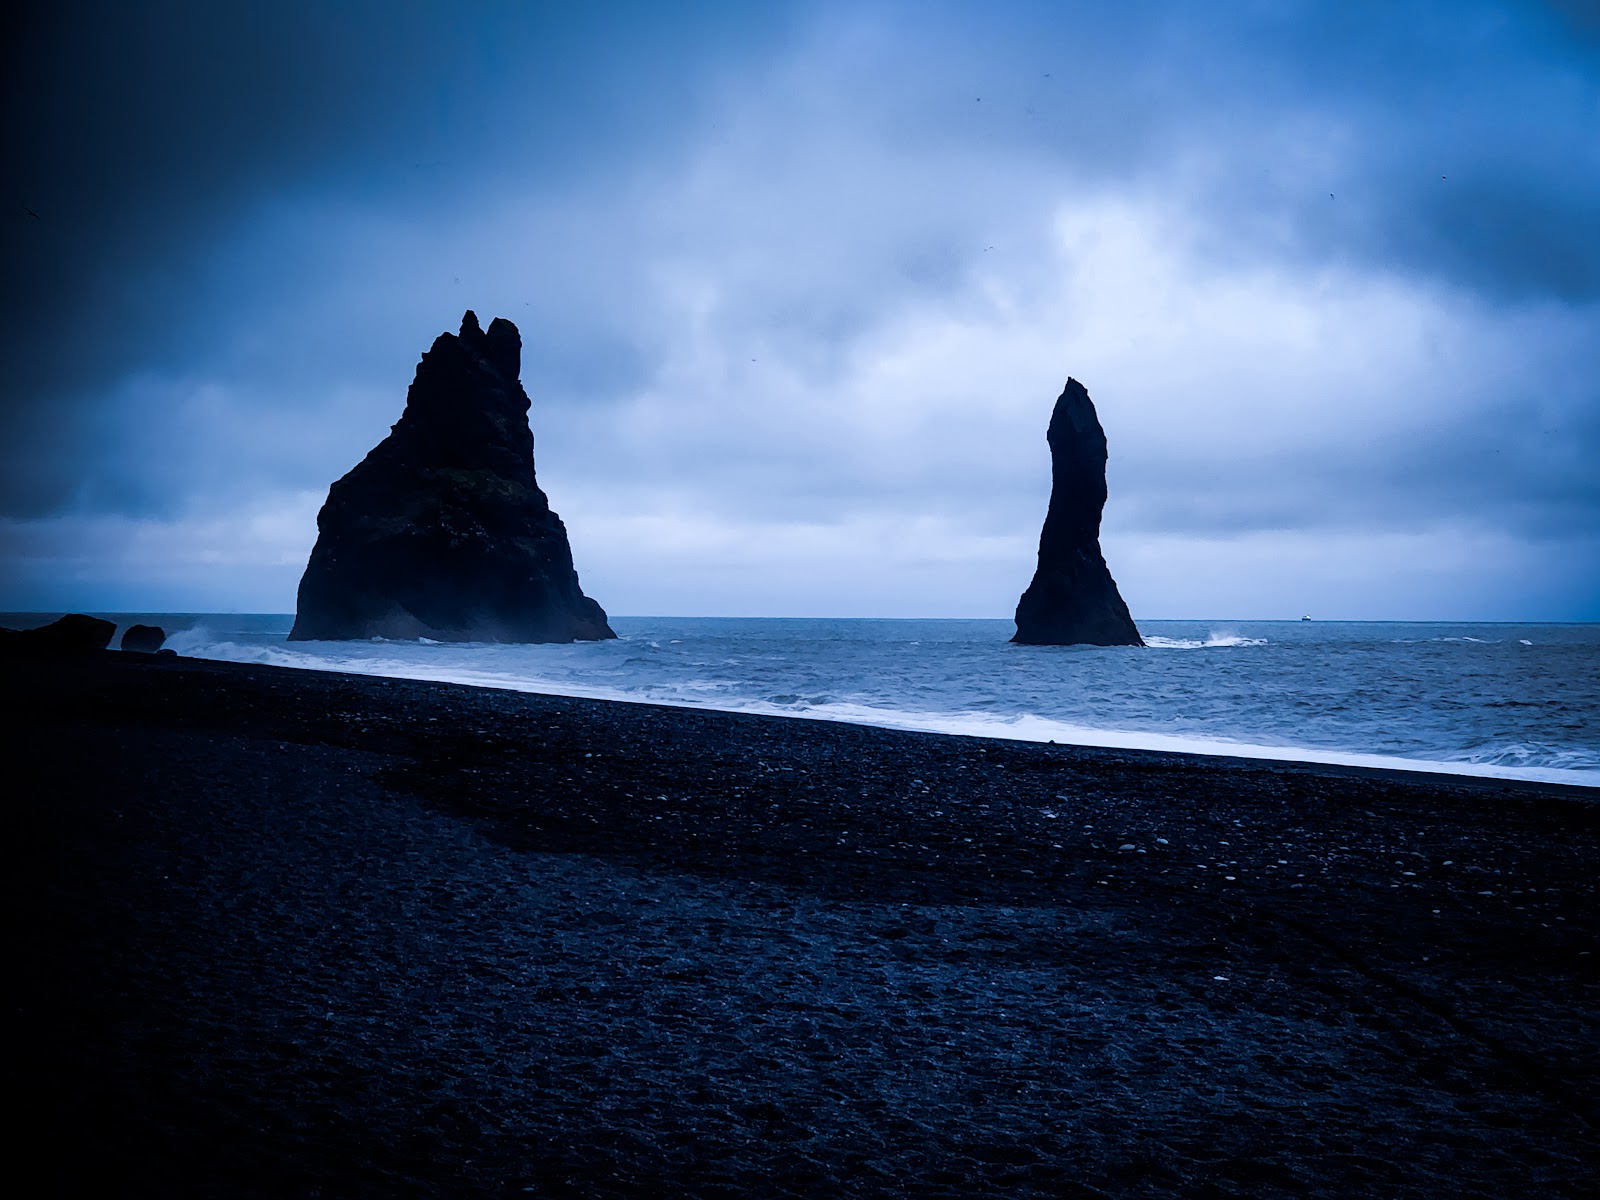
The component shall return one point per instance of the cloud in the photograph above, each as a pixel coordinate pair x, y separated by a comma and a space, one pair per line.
1289, 389
1439, 572
141, 145
797, 291
245, 559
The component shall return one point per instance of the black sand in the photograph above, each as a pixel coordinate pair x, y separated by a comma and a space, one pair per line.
277, 933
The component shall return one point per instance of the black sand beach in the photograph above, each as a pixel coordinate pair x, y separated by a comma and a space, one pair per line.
279, 933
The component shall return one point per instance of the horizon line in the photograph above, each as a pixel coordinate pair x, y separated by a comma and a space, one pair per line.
239, 612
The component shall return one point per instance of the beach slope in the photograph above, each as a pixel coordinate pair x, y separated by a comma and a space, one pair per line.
284, 933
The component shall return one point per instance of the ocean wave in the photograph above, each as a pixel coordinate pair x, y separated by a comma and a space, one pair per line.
966, 696
1535, 754
1211, 641
1576, 768
201, 643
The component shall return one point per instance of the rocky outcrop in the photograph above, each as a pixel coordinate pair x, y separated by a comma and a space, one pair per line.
442, 531
74, 633
1073, 599
143, 639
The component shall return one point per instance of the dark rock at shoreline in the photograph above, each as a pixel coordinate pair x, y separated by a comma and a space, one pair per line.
74, 633
1073, 600
143, 639
442, 531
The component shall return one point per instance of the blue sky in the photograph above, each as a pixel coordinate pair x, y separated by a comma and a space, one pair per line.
798, 284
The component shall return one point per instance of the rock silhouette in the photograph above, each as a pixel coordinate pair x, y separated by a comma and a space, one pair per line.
143, 639
442, 531
74, 633
1073, 599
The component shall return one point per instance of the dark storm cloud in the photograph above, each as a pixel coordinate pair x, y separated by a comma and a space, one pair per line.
721, 228
1463, 144
136, 136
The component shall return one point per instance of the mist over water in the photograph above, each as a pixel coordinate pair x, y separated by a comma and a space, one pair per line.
1517, 701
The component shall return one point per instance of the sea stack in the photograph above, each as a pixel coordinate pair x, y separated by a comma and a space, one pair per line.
1073, 600
441, 531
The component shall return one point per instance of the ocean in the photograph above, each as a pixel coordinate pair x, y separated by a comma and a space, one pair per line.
1506, 700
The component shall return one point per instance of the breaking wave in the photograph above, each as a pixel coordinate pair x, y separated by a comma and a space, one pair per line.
1358, 696
1211, 641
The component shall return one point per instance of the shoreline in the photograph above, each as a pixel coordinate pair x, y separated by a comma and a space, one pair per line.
1334, 760
292, 932
973, 724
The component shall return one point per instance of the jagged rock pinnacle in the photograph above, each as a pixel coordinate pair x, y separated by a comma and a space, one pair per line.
442, 531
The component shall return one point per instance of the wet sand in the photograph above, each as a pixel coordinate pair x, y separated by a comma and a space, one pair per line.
283, 933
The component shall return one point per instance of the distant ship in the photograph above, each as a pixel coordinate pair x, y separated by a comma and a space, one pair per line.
1305, 618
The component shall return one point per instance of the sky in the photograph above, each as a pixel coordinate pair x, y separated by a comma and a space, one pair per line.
798, 284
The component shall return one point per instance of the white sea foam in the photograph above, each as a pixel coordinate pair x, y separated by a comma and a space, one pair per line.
595, 672
1538, 755
1575, 767
1211, 641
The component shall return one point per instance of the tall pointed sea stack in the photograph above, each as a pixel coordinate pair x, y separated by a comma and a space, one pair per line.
441, 531
1073, 599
